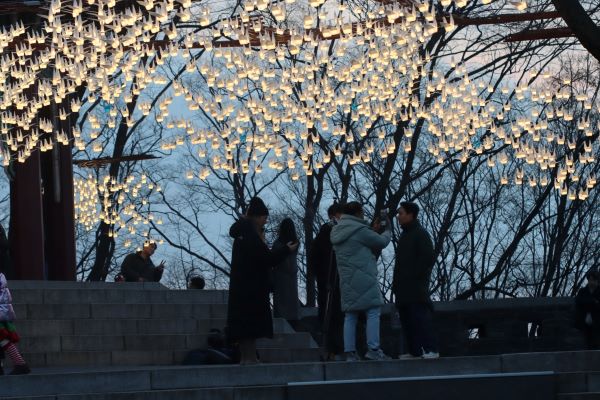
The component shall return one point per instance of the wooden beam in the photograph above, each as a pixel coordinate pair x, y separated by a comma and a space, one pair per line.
505, 18
553, 33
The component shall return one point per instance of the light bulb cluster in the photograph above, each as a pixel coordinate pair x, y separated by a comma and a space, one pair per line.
279, 87
369, 70
119, 204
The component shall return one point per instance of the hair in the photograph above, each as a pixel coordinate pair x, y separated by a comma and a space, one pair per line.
287, 231
257, 208
410, 208
333, 209
150, 244
196, 282
353, 208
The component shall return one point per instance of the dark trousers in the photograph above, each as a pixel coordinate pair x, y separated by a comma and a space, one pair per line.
331, 316
417, 328
592, 337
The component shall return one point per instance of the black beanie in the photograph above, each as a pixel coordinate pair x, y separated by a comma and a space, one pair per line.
257, 208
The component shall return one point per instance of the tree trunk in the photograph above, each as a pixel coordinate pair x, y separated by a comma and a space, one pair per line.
581, 24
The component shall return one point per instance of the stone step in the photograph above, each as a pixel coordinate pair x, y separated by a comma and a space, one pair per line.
136, 358
112, 295
106, 380
49, 343
579, 382
62, 327
226, 393
118, 311
112, 380
61, 285
523, 386
500, 386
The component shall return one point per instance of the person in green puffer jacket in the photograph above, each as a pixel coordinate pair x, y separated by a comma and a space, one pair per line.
412, 273
355, 244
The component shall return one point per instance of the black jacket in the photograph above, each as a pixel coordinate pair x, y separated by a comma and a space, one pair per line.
248, 309
414, 263
321, 254
587, 302
135, 267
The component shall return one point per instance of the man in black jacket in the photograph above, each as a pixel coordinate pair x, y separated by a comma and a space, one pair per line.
138, 266
331, 316
587, 304
412, 273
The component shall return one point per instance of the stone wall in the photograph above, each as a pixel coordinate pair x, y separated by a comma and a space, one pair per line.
479, 327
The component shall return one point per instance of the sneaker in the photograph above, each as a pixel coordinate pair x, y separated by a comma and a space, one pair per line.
20, 370
376, 355
352, 356
408, 356
430, 355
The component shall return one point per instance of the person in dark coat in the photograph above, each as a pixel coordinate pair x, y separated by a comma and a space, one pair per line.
285, 275
323, 260
138, 266
587, 303
249, 311
412, 273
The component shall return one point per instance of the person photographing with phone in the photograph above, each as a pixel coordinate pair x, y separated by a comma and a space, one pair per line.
138, 266
356, 245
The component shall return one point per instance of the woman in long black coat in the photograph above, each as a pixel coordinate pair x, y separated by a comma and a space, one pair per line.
249, 310
285, 275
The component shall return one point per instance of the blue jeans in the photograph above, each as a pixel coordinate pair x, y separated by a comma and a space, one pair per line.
372, 329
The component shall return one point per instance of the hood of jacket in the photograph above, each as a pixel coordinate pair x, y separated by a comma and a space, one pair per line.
346, 228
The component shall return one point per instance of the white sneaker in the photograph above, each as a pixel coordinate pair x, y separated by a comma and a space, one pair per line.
408, 356
430, 355
376, 355
352, 356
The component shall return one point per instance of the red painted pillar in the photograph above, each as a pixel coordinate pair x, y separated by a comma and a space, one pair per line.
26, 233
59, 225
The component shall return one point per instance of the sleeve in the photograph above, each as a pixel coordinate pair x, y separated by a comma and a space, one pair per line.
425, 256
128, 269
374, 240
265, 256
158, 273
317, 249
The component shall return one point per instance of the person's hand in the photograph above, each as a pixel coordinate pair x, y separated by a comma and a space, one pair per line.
376, 226
161, 265
292, 246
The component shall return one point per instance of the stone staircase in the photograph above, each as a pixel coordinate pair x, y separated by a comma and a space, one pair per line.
530, 376
107, 341
130, 324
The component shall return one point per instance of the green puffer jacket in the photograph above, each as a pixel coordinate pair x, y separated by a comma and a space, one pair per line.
354, 243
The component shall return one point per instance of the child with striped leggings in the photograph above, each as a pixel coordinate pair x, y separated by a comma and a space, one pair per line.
8, 334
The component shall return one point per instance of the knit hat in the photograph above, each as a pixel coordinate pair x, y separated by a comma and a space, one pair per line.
257, 208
